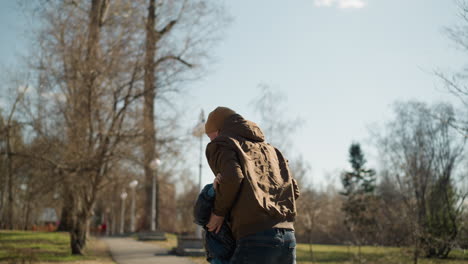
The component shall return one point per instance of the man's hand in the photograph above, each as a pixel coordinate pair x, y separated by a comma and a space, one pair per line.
215, 223
217, 181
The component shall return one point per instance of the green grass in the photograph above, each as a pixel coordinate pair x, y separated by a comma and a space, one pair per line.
388, 255
329, 254
25, 246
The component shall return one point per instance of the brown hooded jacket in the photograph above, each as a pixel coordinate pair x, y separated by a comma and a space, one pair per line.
256, 190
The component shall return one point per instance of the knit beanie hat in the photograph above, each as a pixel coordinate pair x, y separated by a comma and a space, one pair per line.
216, 119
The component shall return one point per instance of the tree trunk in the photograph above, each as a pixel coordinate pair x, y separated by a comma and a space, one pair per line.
67, 209
3, 191
311, 252
415, 256
78, 235
417, 239
359, 252
2, 213
149, 132
10, 212
28, 211
82, 203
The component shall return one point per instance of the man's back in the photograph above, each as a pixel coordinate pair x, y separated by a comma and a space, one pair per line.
266, 194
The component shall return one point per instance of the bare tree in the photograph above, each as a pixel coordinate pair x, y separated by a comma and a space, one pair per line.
278, 128
93, 70
94, 77
178, 34
455, 83
392, 227
26, 181
11, 134
422, 153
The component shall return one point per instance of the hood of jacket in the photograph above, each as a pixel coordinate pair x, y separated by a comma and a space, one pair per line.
237, 126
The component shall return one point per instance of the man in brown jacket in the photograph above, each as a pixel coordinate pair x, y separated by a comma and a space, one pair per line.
255, 191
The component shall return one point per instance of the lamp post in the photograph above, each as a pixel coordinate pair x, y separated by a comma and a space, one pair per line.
154, 196
133, 184
199, 131
123, 196
202, 123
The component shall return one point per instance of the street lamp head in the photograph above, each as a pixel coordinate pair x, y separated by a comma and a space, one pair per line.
133, 184
155, 164
202, 116
123, 196
199, 130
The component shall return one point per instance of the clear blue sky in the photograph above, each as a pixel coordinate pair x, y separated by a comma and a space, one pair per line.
341, 63
341, 68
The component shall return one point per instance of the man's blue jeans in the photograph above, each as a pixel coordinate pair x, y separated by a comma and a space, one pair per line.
272, 246
219, 261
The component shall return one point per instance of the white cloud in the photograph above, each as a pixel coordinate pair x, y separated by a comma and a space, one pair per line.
343, 4
351, 4
323, 2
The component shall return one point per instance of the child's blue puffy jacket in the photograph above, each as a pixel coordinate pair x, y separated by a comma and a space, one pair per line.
222, 244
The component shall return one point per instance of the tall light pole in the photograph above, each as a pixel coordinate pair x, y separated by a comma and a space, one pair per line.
154, 217
202, 123
199, 132
133, 184
123, 196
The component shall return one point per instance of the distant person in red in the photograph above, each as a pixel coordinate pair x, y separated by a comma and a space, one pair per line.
103, 229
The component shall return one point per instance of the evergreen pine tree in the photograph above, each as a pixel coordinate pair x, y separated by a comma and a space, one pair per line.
360, 202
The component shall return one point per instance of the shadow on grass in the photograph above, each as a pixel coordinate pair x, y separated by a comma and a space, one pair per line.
329, 256
386, 258
163, 254
32, 255
19, 255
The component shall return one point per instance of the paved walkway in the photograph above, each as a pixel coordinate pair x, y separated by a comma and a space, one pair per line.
129, 251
